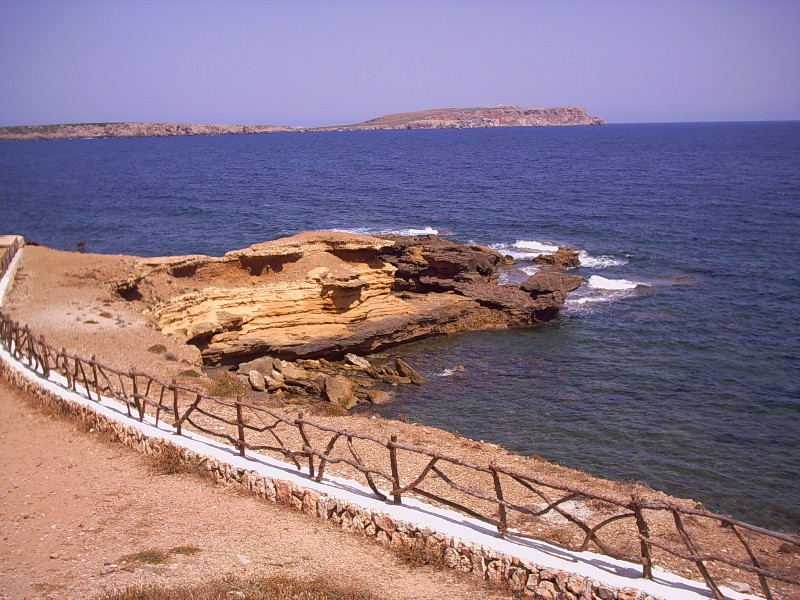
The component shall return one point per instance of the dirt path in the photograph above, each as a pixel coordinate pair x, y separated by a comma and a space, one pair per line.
72, 505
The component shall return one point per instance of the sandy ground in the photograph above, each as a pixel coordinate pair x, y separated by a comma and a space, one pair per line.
72, 505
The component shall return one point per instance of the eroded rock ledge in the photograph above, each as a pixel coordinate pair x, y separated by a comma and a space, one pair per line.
324, 294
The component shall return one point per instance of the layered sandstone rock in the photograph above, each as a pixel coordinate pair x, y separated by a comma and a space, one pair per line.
329, 293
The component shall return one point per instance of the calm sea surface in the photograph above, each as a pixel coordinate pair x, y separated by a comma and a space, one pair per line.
677, 363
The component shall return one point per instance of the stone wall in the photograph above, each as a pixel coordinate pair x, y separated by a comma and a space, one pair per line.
523, 578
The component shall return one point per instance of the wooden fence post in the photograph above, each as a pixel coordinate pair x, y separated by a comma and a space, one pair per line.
29, 345
75, 375
501, 508
306, 443
17, 337
137, 402
66, 367
45, 361
177, 422
395, 470
644, 533
94, 377
240, 424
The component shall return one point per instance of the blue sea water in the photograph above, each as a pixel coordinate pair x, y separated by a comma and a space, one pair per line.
677, 363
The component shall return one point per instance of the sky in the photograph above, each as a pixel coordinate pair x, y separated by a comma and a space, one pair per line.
311, 63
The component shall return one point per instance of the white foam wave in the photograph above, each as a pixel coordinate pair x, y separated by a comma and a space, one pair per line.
411, 231
354, 230
414, 231
600, 262
523, 250
534, 247
602, 283
446, 373
588, 300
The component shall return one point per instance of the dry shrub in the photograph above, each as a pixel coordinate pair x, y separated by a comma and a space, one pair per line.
168, 461
227, 386
278, 587
417, 554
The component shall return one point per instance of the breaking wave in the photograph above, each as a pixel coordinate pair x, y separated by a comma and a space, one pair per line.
602, 283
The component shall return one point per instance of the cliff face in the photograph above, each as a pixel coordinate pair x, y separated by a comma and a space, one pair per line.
440, 118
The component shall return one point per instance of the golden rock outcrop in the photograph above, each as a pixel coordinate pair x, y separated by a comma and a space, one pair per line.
328, 293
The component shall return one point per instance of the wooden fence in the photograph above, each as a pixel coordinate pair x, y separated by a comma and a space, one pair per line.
517, 504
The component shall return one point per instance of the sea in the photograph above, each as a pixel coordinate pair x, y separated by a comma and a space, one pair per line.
677, 363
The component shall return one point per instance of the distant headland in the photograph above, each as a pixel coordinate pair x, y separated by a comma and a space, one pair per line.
440, 118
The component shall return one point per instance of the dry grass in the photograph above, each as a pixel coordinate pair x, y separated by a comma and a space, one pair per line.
168, 461
418, 554
158, 557
271, 588
227, 386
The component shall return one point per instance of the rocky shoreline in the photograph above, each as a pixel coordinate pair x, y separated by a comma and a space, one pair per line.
290, 320
443, 118
326, 294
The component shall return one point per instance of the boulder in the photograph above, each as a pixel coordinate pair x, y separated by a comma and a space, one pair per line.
379, 397
357, 361
292, 371
229, 321
274, 385
564, 258
263, 365
547, 282
339, 390
308, 386
406, 370
257, 381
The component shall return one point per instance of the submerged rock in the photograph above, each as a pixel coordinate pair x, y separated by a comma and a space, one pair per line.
563, 258
548, 282
406, 370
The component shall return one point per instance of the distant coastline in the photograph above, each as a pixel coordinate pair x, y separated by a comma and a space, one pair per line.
441, 118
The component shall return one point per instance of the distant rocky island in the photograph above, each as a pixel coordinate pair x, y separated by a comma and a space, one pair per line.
440, 118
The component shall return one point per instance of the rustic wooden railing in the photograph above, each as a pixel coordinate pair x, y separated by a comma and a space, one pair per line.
515, 503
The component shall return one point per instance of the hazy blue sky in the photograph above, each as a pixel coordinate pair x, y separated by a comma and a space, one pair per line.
324, 63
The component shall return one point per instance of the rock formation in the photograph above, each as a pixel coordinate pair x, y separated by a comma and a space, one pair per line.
442, 118
326, 294
127, 130
494, 116
563, 258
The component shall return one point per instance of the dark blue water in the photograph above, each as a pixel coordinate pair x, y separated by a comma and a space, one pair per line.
678, 363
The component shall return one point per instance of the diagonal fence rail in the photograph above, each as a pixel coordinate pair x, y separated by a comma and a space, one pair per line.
515, 503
